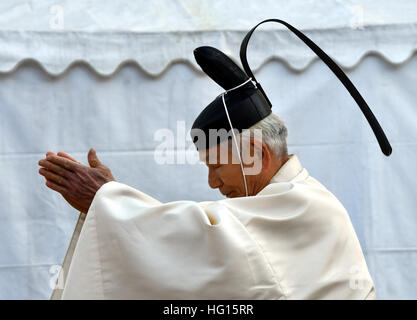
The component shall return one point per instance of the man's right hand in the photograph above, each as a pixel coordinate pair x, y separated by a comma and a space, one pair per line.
76, 182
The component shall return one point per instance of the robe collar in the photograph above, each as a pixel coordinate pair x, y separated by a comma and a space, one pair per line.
289, 170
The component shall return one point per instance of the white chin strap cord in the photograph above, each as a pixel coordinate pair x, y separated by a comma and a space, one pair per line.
233, 132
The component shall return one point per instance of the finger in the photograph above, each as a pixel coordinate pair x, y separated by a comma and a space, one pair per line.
49, 175
54, 168
58, 188
64, 162
66, 155
93, 160
50, 153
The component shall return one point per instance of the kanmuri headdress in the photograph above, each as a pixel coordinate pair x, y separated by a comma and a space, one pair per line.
244, 103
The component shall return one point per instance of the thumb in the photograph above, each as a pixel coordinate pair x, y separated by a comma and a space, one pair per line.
93, 160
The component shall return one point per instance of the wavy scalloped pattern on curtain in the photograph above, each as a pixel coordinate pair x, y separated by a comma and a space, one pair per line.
154, 53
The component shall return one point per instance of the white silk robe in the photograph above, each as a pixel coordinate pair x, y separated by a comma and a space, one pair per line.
293, 240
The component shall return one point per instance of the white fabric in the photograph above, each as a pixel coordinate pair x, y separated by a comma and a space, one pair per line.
326, 130
293, 240
186, 15
156, 34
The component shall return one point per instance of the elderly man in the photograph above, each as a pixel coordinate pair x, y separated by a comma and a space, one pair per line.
289, 239
279, 234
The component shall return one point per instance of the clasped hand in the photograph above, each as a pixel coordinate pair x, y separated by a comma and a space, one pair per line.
76, 182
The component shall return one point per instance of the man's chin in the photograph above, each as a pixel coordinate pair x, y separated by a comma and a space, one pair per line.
232, 195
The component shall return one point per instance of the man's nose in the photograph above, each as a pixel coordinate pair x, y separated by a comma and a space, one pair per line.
213, 179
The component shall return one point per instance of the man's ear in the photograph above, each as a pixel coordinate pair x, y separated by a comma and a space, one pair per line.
260, 150
252, 156
266, 156
257, 148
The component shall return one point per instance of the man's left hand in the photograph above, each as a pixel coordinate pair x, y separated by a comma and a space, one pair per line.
76, 182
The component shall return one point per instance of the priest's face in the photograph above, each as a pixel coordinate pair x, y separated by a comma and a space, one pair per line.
225, 173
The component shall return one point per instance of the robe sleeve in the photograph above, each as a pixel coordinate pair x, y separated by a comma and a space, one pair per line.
134, 247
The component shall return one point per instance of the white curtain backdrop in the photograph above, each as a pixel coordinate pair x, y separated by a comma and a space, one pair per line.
112, 83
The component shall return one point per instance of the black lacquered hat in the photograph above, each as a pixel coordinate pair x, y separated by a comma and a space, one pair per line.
244, 102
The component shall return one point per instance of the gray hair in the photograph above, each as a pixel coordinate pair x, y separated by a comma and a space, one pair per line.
274, 134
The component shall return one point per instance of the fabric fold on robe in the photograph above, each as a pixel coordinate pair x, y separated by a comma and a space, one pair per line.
293, 240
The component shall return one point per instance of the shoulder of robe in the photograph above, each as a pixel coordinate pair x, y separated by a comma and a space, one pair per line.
117, 190
305, 201
117, 201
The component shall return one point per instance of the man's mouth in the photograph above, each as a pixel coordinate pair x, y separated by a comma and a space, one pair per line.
226, 194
